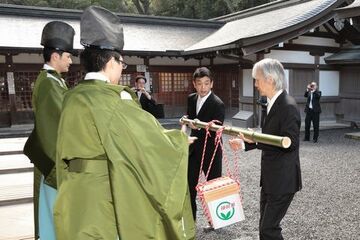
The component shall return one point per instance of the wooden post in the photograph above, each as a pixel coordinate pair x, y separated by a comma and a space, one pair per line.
317, 69
11, 87
241, 84
256, 123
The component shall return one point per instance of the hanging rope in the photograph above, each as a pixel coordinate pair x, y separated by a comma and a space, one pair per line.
217, 142
207, 134
236, 177
221, 182
235, 174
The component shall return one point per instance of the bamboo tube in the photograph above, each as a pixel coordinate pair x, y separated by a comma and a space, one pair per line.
283, 142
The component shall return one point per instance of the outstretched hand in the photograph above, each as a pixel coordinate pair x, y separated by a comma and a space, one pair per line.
191, 140
192, 126
236, 144
248, 140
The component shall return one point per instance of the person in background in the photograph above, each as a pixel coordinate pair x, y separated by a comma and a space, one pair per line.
48, 94
146, 100
280, 168
121, 175
205, 106
312, 110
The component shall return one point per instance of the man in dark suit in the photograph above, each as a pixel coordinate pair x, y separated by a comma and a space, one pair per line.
312, 110
262, 101
280, 168
145, 99
205, 106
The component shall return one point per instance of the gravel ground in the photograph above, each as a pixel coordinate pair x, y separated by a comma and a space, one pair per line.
326, 208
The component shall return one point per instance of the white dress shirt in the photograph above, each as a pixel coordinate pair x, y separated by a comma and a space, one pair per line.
96, 76
61, 81
311, 98
272, 100
139, 94
200, 102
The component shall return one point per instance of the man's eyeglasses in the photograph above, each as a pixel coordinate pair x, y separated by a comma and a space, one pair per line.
124, 64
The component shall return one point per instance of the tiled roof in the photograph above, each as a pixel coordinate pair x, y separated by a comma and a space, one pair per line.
352, 10
354, 4
249, 30
141, 37
21, 27
345, 56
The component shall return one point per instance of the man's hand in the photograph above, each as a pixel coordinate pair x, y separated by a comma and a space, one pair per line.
309, 88
143, 91
236, 144
183, 127
242, 137
191, 139
192, 126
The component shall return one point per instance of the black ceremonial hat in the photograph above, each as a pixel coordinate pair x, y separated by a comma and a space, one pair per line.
101, 29
58, 35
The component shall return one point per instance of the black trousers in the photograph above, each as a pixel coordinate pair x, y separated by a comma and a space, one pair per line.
193, 174
272, 210
313, 117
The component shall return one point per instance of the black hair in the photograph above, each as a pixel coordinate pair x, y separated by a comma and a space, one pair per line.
94, 60
140, 77
202, 72
48, 51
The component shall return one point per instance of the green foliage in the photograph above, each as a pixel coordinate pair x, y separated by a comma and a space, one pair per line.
113, 5
203, 9
199, 9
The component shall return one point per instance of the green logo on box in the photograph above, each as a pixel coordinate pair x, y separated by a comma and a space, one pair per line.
225, 210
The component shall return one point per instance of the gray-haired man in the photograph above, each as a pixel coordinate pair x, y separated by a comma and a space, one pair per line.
280, 168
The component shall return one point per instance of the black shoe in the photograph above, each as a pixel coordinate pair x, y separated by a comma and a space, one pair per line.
306, 140
315, 140
208, 229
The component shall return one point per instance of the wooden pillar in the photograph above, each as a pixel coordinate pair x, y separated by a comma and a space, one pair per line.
317, 69
230, 80
146, 61
211, 62
317, 55
256, 122
11, 87
240, 83
147, 73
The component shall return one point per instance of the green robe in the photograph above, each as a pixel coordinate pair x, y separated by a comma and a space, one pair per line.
120, 173
47, 100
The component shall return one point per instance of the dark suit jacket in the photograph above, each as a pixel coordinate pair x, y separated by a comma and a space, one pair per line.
146, 104
280, 168
212, 109
315, 101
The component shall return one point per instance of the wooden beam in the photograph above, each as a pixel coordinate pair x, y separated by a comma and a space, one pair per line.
307, 48
321, 34
317, 69
308, 66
